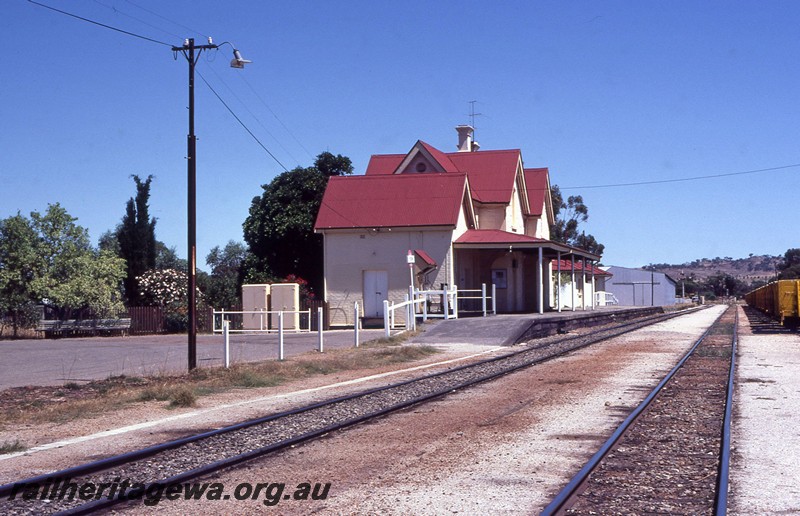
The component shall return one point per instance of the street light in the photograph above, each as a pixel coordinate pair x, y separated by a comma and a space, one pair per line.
188, 50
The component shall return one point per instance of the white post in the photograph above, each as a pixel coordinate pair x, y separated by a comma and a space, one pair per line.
574, 286
455, 302
445, 302
540, 279
319, 327
558, 295
483, 298
227, 337
425, 307
494, 299
412, 308
355, 322
594, 289
387, 329
408, 314
280, 335
583, 283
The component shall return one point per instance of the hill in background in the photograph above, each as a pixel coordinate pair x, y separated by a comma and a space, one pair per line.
747, 270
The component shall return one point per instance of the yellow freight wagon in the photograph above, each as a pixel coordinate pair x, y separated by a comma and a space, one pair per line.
779, 299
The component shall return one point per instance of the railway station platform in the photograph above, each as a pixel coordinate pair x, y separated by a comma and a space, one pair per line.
509, 329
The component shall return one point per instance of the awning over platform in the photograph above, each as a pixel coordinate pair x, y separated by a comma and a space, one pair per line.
497, 239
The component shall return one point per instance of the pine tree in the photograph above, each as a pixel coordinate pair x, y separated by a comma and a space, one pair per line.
137, 238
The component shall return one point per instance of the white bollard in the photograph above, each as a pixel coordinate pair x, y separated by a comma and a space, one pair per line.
408, 314
280, 335
319, 327
387, 330
227, 336
355, 322
494, 299
483, 298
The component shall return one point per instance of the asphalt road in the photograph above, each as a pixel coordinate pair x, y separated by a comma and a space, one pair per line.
58, 361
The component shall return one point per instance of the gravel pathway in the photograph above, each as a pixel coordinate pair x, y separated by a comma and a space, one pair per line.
766, 434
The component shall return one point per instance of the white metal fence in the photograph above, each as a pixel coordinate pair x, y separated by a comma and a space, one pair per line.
418, 302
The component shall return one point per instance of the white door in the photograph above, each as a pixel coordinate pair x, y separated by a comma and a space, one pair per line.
376, 287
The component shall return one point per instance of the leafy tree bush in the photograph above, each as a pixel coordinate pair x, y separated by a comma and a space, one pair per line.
790, 268
48, 259
569, 216
279, 230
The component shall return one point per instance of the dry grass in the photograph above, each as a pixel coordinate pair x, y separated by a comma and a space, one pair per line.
12, 447
73, 401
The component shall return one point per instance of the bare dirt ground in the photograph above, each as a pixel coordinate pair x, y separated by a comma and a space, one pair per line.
504, 447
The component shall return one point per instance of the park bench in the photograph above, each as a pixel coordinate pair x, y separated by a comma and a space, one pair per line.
70, 327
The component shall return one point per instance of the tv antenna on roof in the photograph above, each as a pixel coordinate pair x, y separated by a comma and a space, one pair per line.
472, 113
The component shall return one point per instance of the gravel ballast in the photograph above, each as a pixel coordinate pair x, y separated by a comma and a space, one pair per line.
506, 446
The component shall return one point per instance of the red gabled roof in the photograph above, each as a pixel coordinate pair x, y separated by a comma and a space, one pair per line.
491, 173
566, 266
536, 184
495, 236
441, 158
392, 201
383, 163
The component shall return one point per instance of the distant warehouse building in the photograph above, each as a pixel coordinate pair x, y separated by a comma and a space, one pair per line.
638, 287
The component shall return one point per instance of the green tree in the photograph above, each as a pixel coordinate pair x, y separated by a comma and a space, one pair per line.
722, 284
74, 275
790, 268
569, 215
137, 238
20, 265
279, 230
225, 281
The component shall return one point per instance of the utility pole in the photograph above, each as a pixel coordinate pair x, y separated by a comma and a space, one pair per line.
188, 50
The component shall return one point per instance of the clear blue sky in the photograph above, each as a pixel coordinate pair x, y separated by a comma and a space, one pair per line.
600, 92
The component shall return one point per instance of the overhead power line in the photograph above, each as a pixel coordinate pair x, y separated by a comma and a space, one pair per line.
678, 180
242, 123
100, 24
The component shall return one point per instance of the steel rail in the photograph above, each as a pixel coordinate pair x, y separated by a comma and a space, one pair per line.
562, 499
721, 496
136, 455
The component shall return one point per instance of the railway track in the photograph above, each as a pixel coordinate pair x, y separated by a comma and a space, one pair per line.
185, 459
671, 454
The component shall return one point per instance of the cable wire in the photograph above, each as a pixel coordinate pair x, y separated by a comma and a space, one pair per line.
219, 78
100, 24
678, 180
240, 121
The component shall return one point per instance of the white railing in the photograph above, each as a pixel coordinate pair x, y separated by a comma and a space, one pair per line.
481, 294
416, 305
603, 298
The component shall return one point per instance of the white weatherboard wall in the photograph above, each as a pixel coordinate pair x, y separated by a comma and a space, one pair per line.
285, 297
349, 253
255, 298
